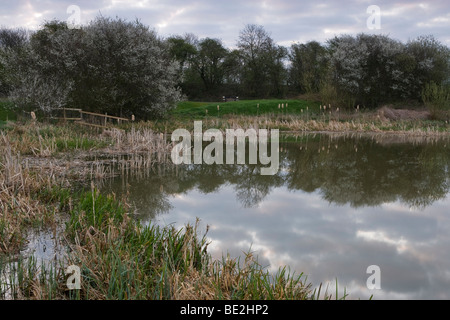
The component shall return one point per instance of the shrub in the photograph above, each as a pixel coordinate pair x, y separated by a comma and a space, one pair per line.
437, 99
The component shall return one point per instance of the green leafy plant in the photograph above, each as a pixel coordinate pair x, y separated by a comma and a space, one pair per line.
437, 99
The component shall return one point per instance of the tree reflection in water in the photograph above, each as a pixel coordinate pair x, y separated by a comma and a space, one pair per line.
360, 171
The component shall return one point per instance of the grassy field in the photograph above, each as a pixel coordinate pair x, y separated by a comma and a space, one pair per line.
195, 110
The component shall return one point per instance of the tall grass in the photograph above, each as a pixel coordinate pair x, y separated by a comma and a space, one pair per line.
121, 259
47, 140
336, 121
27, 278
437, 100
20, 207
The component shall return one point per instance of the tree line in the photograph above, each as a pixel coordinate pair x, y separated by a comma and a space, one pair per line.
347, 70
124, 68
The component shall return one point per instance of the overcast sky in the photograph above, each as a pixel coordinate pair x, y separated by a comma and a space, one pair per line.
287, 21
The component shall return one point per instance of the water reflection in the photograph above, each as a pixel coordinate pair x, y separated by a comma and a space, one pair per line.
337, 205
355, 171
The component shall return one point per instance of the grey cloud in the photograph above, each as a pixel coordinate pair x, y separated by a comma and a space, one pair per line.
322, 240
287, 21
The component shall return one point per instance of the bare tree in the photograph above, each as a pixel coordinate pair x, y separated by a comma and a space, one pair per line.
262, 61
209, 62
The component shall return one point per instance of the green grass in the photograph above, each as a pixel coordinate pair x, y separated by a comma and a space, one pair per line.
97, 210
187, 109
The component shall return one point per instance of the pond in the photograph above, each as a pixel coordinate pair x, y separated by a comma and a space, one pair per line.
338, 204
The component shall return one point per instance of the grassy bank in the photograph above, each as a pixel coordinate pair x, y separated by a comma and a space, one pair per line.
297, 116
286, 115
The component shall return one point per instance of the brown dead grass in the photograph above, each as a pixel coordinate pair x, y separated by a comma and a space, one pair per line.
18, 209
387, 113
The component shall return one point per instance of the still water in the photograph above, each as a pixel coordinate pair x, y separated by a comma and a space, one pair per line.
338, 205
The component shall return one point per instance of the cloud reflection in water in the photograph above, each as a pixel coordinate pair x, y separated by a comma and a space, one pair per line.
329, 215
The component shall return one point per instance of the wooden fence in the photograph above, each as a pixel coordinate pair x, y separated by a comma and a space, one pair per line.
88, 118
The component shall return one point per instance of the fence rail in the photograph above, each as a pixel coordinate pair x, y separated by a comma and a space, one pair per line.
89, 118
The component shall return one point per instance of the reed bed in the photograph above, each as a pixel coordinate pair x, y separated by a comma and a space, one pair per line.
74, 153
20, 207
308, 121
37, 169
373, 124
26, 278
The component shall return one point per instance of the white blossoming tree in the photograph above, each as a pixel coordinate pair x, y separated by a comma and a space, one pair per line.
110, 65
374, 68
365, 67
